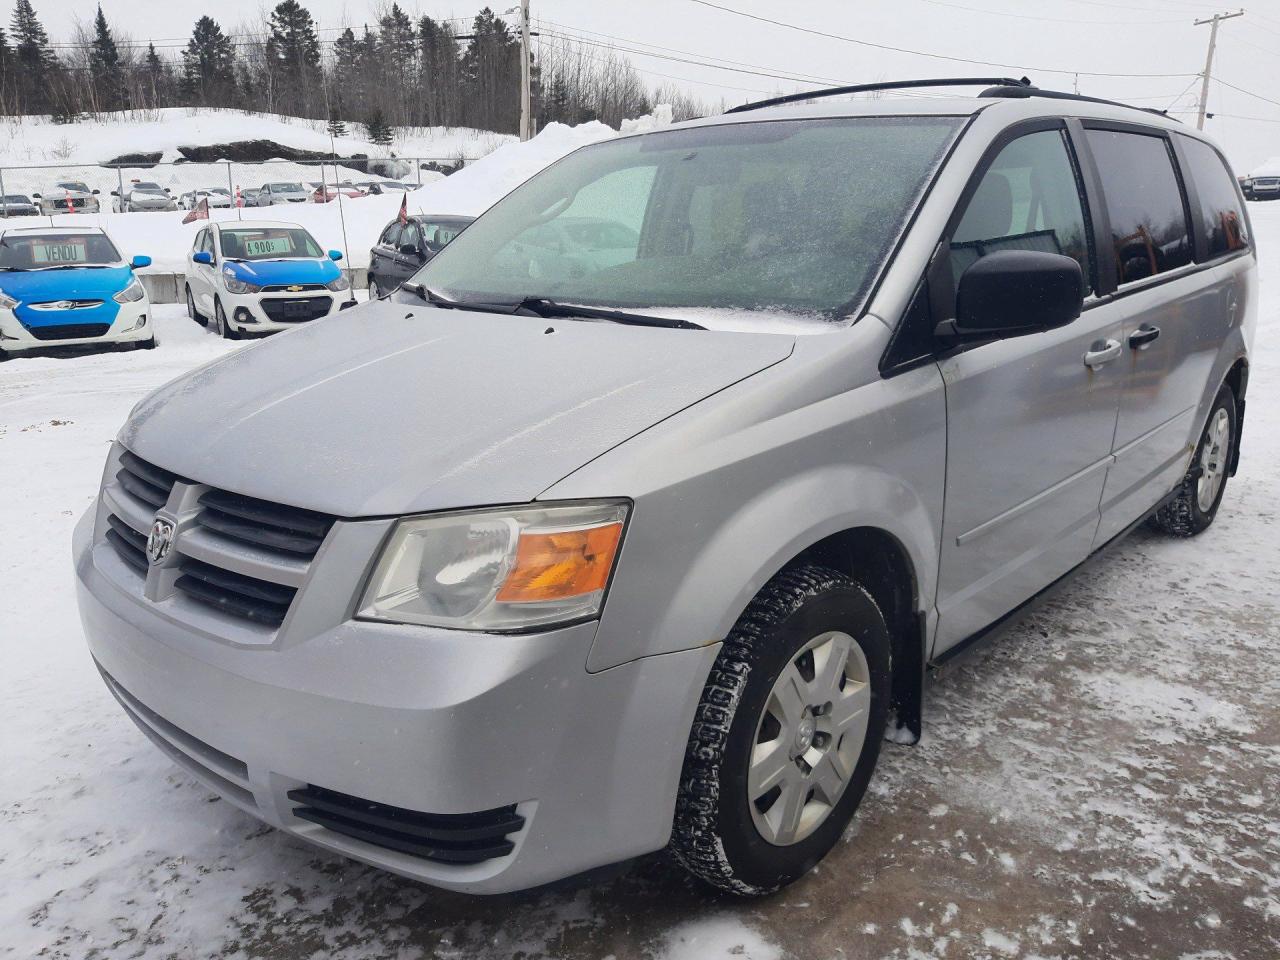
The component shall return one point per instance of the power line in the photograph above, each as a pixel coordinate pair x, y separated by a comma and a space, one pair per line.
922, 53
1031, 16
1249, 93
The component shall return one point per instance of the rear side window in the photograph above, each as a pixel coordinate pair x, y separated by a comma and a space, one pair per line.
1148, 221
1029, 199
1219, 215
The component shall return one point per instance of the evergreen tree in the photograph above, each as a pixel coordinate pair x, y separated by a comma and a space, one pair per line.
378, 130
33, 59
208, 65
491, 75
335, 126
293, 56
438, 72
105, 70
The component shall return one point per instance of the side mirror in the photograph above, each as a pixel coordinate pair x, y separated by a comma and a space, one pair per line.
35, 196
96, 192
140, 261
335, 254
202, 256
409, 249
114, 193
1011, 293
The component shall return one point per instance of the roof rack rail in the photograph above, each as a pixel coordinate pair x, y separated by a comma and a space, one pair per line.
992, 82
996, 87
1020, 90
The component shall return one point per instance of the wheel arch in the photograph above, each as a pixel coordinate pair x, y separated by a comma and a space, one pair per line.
881, 563
1237, 379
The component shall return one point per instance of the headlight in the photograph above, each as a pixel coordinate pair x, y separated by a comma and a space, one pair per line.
498, 570
339, 284
236, 285
130, 294
7, 302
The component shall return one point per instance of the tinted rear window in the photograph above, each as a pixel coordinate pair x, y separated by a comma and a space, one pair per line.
1219, 210
1148, 222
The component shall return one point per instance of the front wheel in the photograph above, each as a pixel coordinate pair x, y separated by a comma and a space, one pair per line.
225, 330
786, 735
1200, 494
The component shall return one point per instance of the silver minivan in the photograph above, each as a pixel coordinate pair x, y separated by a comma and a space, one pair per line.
547, 562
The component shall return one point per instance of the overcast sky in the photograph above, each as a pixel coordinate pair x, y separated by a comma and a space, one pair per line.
1042, 38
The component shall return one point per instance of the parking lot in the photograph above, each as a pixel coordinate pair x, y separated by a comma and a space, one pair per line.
1100, 782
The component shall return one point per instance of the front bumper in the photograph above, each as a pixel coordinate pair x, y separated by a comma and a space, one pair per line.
258, 312
436, 721
14, 337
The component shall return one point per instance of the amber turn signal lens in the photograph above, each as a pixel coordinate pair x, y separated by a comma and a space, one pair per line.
555, 566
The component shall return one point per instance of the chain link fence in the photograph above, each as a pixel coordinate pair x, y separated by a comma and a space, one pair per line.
345, 205
51, 188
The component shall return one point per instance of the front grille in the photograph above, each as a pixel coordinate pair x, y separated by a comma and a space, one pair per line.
258, 600
148, 483
289, 287
445, 838
128, 543
69, 331
261, 523
296, 311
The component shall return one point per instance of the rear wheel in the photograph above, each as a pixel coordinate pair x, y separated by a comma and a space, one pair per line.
375, 291
1200, 495
192, 312
787, 733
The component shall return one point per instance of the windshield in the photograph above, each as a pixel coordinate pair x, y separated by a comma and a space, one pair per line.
149, 187
284, 187
16, 198
268, 243
37, 251
753, 222
75, 185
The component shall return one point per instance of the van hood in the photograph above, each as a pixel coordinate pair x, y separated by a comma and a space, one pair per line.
387, 409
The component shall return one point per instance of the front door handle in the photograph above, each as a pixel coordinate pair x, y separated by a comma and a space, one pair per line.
1144, 336
1102, 352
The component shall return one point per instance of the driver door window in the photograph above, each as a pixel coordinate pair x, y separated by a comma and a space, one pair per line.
1029, 199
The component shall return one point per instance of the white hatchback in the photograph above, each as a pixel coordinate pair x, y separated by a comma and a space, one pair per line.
262, 276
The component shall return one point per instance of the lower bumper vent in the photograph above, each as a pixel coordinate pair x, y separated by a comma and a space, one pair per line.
445, 838
69, 331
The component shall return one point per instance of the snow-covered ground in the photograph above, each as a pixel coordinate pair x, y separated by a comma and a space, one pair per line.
1100, 783
27, 141
350, 225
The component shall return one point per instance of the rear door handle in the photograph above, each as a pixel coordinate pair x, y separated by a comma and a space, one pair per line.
1102, 352
1144, 336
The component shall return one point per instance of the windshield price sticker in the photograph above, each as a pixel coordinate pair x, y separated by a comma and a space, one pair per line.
58, 253
265, 246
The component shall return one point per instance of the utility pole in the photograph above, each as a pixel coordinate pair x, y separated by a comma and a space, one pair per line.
1208, 63
526, 118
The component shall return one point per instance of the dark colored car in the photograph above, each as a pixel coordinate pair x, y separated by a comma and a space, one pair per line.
18, 205
402, 249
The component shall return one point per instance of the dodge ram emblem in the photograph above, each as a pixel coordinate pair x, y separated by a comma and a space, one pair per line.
160, 540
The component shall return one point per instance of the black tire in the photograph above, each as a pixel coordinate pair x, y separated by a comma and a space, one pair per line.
192, 312
715, 836
224, 328
1184, 516
375, 292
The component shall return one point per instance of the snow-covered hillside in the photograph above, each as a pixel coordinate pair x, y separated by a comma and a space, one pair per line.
37, 140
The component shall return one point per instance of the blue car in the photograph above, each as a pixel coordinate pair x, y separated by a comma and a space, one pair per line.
69, 286
257, 276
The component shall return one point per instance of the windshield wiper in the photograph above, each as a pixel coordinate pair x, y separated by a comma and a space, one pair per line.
546, 307
76, 266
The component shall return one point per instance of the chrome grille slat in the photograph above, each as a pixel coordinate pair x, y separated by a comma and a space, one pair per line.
216, 550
